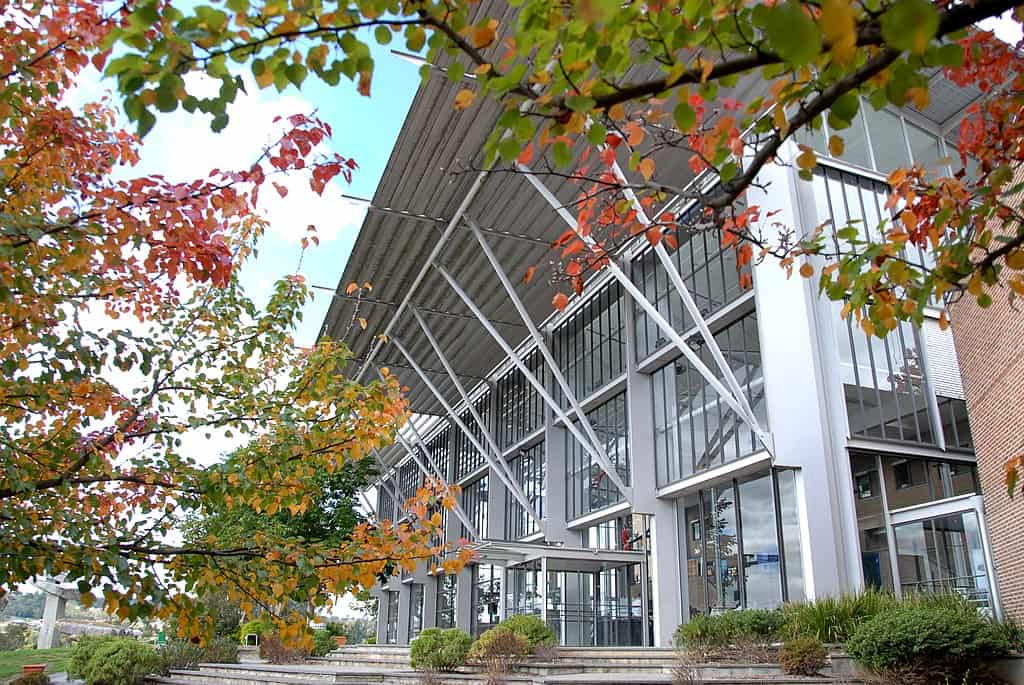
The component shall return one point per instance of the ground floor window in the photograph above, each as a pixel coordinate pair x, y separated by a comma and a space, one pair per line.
486, 597
415, 610
446, 585
742, 544
391, 609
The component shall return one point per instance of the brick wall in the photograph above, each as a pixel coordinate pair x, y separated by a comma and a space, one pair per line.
990, 346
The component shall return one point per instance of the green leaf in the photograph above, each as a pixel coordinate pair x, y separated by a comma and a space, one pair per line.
910, 24
792, 33
684, 116
561, 153
508, 148
580, 103
597, 134
296, 73
146, 121
382, 34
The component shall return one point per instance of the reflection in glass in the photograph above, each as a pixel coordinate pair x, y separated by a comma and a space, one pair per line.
588, 488
721, 548
789, 506
391, 609
446, 588
761, 579
415, 610
486, 597
887, 141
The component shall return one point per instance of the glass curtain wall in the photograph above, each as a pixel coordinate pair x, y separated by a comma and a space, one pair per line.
944, 554
409, 480
528, 469
694, 429
386, 508
590, 347
588, 487
415, 610
709, 272
440, 449
446, 588
467, 458
523, 593
520, 407
474, 503
486, 598
742, 544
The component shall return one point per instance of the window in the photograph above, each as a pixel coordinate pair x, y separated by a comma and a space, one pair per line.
956, 429
467, 457
409, 479
391, 627
415, 610
743, 544
520, 407
588, 487
590, 347
446, 588
439, 448
386, 506
630, 533
528, 470
709, 272
474, 503
694, 429
486, 597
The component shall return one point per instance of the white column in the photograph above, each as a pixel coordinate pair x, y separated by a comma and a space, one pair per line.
799, 393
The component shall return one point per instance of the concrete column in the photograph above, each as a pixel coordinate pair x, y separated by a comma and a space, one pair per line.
464, 600
382, 613
430, 602
666, 578
799, 395
53, 611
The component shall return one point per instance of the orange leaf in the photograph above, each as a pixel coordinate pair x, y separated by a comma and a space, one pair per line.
464, 98
560, 301
647, 168
526, 156
529, 274
364, 83
352, 287
573, 268
806, 270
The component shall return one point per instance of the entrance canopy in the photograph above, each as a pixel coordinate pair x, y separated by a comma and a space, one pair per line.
559, 558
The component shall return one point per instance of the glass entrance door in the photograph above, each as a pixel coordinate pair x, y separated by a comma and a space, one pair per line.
944, 553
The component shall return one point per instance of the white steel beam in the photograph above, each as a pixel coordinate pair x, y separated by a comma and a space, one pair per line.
644, 303
454, 417
500, 462
599, 453
584, 442
747, 415
384, 481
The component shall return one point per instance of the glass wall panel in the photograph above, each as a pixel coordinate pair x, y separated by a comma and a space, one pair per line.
391, 614
523, 593
440, 449
709, 272
883, 379
410, 478
721, 548
890, 147
956, 429
789, 508
855, 139
587, 486
944, 554
415, 610
446, 588
910, 481
474, 503
927, 150
486, 597
871, 522
387, 509
762, 572
694, 429
467, 458
520, 407
528, 468
590, 346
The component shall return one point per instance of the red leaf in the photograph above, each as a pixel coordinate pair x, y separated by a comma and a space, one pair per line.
526, 156
281, 190
573, 268
529, 274
560, 301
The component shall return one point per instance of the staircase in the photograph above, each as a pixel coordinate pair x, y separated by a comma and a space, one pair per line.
389, 665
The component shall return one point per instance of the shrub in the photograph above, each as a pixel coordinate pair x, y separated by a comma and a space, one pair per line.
372, 640
803, 656
257, 626
272, 649
761, 625
323, 643
14, 636
940, 642
535, 630
498, 650
112, 660
32, 679
437, 649
185, 654
834, 619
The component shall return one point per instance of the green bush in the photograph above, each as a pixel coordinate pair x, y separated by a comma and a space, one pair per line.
944, 641
536, 631
323, 643
803, 656
372, 640
14, 636
185, 654
257, 626
274, 650
113, 661
32, 679
439, 650
759, 625
834, 619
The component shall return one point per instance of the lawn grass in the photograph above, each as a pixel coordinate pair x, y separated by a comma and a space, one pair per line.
11, 662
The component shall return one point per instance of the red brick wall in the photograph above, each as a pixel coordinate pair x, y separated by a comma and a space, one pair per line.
990, 347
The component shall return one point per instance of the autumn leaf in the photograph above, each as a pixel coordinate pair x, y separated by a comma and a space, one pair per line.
464, 98
560, 301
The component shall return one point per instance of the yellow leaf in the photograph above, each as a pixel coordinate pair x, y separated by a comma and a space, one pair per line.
362, 323
1015, 260
836, 146
1017, 283
867, 327
647, 168
482, 36
838, 25
617, 111
464, 98
265, 78
807, 159
675, 73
